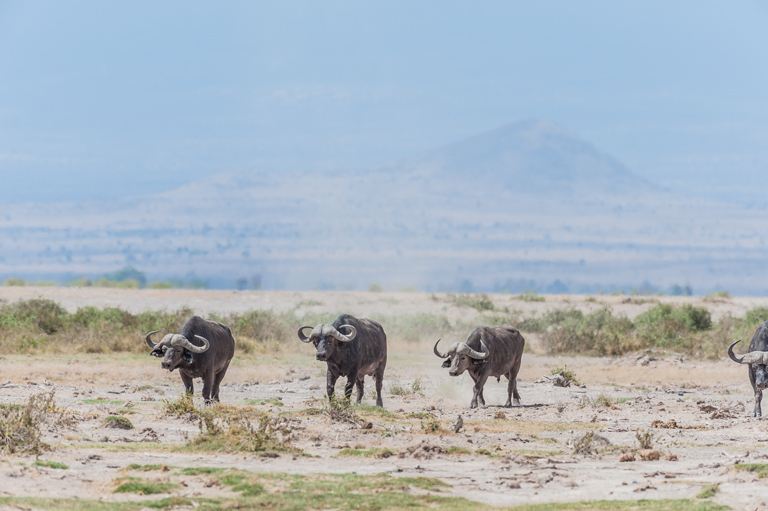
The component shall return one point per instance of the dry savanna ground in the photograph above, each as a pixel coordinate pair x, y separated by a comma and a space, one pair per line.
646, 430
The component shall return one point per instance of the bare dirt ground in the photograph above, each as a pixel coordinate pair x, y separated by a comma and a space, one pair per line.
697, 412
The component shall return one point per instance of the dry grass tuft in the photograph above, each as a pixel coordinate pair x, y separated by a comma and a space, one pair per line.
21, 425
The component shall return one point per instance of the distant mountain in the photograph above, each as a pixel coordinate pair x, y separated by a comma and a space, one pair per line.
533, 157
527, 205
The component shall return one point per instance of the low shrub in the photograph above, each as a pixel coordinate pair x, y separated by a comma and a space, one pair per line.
236, 429
21, 426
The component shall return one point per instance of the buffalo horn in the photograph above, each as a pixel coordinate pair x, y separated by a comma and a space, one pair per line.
437, 352
482, 354
149, 339
184, 343
341, 337
753, 357
303, 337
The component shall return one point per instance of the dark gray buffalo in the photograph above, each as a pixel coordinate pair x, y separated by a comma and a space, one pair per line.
360, 351
209, 361
757, 358
489, 351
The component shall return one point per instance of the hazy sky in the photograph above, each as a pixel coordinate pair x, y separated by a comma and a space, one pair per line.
109, 99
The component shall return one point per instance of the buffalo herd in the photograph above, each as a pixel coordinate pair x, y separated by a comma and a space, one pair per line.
356, 348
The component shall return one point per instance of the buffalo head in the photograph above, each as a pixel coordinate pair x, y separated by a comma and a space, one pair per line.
175, 349
326, 339
758, 360
461, 357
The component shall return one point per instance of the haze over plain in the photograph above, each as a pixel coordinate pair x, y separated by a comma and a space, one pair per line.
295, 128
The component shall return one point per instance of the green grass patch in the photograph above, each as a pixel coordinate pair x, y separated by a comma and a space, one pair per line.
376, 411
627, 505
759, 469
145, 487
102, 401
535, 453
455, 449
708, 491
196, 471
114, 421
275, 402
50, 464
146, 468
367, 453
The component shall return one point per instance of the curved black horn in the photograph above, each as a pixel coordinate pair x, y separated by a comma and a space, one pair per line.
732, 355
149, 340
437, 352
303, 337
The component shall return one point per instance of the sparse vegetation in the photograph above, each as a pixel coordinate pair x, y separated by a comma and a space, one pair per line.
367, 453
397, 388
644, 439
431, 425
21, 425
759, 469
274, 402
686, 328
144, 486
43, 326
184, 405
236, 429
50, 464
530, 296
340, 409
708, 491
479, 302
568, 375
116, 422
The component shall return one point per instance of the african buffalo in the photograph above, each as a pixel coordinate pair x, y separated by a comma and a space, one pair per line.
489, 351
362, 351
209, 361
757, 358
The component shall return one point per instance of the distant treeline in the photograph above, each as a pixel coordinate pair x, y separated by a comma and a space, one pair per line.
125, 278
43, 326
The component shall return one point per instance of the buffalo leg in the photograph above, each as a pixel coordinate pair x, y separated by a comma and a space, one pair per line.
208, 380
479, 384
479, 396
512, 386
217, 382
188, 384
758, 412
351, 380
379, 377
360, 389
330, 383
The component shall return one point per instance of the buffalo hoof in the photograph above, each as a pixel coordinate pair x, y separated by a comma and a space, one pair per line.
473, 405
516, 402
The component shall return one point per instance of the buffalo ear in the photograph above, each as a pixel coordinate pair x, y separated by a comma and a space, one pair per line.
186, 356
447, 363
478, 362
156, 353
